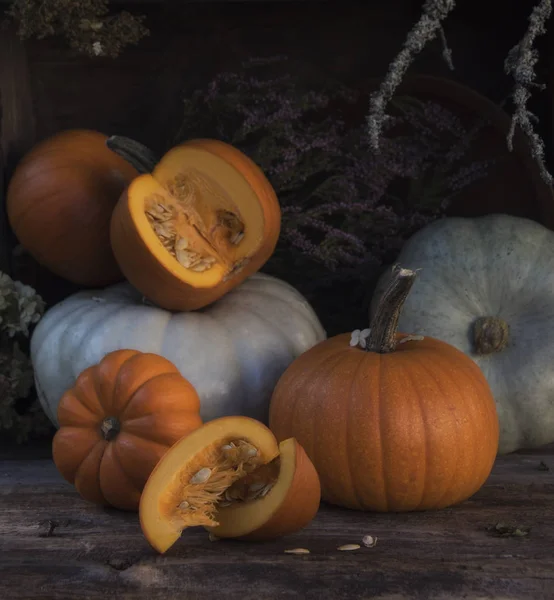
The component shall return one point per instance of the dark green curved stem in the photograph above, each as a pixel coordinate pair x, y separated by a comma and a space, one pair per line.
136, 154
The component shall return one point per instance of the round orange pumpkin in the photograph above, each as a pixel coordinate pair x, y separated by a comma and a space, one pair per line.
392, 422
60, 201
203, 221
116, 423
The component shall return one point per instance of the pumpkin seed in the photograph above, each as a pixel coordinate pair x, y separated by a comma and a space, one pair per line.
232, 493
267, 489
409, 338
297, 551
348, 547
369, 541
256, 487
184, 505
237, 238
201, 476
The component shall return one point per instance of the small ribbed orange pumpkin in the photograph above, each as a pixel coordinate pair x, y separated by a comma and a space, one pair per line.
392, 422
116, 423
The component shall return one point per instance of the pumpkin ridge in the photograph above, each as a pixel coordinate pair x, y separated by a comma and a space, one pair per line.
291, 379
88, 400
480, 386
348, 428
472, 462
325, 367
380, 412
124, 480
67, 412
112, 400
123, 412
91, 462
266, 319
63, 443
435, 379
128, 425
121, 449
101, 321
121, 372
63, 323
301, 307
407, 370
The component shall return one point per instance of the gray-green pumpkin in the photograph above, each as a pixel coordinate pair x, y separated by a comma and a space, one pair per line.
486, 286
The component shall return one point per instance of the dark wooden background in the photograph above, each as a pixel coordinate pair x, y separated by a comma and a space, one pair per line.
46, 87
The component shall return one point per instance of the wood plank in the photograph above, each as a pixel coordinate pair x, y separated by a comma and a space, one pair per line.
17, 128
62, 547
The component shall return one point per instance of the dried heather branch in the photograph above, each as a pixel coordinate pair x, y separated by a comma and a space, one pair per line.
520, 64
425, 30
446, 51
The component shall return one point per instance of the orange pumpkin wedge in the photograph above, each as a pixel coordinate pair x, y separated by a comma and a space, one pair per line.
231, 477
116, 423
203, 221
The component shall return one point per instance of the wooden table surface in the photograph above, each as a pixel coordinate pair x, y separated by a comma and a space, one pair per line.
53, 545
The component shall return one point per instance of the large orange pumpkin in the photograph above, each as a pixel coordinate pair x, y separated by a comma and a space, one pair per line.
116, 423
392, 422
60, 201
203, 221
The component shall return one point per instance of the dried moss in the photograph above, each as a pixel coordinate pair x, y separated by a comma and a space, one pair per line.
86, 25
20, 308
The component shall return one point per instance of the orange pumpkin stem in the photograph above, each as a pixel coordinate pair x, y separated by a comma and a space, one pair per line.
139, 156
382, 338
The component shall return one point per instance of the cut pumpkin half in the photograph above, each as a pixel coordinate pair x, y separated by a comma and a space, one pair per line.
204, 220
231, 477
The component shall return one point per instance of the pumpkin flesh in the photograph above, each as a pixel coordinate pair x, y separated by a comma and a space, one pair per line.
117, 422
195, 227
232, 478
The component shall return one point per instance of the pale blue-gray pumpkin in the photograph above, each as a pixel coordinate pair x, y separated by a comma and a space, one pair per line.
233, 351
486, 286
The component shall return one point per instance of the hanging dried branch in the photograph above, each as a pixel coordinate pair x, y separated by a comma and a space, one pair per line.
424, 31
520, 64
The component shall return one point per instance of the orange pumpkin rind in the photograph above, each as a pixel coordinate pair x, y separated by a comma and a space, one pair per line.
392, 422
231, 477
203, 221
60, 201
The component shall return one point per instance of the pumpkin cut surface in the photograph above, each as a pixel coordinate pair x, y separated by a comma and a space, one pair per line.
232, 478
117, 422
198, 225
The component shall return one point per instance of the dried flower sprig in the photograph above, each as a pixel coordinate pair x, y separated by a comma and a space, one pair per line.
87, 25
434, 12
343, 205
520, 64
